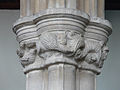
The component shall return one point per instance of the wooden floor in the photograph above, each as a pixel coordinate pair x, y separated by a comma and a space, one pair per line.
15, 4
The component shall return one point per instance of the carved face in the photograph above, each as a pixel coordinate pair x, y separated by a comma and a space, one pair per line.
93, 57
105, 51
75, 42
27, 53
92, 52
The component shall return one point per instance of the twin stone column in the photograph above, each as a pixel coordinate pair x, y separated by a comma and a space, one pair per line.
61, 48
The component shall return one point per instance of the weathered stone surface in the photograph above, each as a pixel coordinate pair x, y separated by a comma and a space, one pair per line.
62, 48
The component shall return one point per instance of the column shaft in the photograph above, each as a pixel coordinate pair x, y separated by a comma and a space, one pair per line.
87, 80
23, 8
61, 77
101, 8
81, 5
35, 80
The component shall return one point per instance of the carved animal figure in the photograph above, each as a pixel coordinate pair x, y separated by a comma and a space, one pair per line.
27, 53
92, 51
66, 42
105, 52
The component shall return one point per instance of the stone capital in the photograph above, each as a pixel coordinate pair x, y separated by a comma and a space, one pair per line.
50, 37
63, 43
69, 35
96, 49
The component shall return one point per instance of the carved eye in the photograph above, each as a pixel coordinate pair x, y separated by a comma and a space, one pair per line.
22, 46
105, 49
20, 53
31, 45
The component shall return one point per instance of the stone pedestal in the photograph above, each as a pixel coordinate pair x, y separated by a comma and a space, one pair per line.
62, 43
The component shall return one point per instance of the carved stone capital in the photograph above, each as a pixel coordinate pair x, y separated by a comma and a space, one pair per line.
50, 37
62, 33
96, 50
63, 43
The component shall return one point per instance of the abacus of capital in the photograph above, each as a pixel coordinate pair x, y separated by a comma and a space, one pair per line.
62, 43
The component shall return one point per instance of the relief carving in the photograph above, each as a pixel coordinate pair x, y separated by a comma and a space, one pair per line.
95, 52
27, 53
65, 42
105, 51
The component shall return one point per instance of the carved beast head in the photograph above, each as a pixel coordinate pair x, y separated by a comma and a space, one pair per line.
27, 53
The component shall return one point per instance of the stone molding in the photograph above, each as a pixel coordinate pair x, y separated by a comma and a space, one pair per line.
65, 36
96, 49
63, 43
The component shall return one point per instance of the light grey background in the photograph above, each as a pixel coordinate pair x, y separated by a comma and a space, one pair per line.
11, 75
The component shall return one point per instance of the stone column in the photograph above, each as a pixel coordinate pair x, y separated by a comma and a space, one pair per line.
60, 40
94, 53
95, 50
62, 43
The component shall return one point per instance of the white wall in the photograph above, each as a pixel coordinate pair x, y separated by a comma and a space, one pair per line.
110, 77
11, 75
